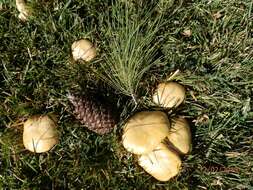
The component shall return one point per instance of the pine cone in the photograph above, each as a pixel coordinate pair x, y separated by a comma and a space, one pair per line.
93, 114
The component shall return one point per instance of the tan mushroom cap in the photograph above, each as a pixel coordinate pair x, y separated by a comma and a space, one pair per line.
25, 11
169, 94
144, 131
83, 49
180, 135
161, 163
40, 134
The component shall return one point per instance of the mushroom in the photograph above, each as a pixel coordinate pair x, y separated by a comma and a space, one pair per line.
161, 163
180, 135
25, 11
83, 49
144, 131
40, 134
169, 95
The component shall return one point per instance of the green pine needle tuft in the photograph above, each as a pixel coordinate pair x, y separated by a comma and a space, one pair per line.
132, 48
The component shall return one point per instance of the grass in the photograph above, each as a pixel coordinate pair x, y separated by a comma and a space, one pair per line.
215, 63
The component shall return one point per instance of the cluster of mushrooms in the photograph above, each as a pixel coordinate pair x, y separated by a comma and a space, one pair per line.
157, 140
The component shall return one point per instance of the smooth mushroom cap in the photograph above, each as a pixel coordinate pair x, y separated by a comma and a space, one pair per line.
169, 95
144, 131
161, 163
40, 134
83, 49
180, 135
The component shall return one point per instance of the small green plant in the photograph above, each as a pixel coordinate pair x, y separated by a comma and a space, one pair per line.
132, 48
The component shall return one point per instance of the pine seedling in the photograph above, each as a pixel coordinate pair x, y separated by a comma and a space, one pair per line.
132, 47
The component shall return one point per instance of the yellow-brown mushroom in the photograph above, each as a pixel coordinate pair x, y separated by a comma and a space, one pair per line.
161, 163
144, 131
180, 135
83, 50
40, 134
169, 95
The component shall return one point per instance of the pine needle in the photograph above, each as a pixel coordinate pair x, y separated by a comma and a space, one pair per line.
132, 48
